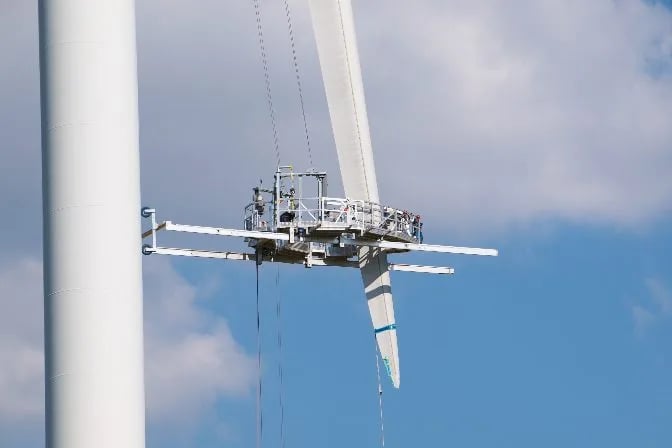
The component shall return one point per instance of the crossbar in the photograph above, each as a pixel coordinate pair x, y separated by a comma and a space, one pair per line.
422, 269
170, 226
422, 247
225, 232
238, 256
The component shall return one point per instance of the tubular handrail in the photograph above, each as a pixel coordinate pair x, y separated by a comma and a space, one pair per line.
332, 211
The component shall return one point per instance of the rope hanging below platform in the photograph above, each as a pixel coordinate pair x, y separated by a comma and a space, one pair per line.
280, 372
260, 416
380, 394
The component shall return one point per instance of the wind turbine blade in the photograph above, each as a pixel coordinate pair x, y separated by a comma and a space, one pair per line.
376, 277
334, 28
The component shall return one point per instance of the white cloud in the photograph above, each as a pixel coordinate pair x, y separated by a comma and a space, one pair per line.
532, 110
655, 309
485, 115
643, 319
661, 296
21, 355
191, 358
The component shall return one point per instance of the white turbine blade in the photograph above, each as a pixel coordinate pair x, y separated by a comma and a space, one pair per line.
376, 277
339, 59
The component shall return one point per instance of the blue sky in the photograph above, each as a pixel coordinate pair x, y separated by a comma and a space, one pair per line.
540, 128
536, 347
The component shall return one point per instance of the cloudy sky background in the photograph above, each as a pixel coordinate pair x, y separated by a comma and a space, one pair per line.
541, 127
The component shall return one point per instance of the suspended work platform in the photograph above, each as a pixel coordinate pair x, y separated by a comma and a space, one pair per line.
292, 205
284, 225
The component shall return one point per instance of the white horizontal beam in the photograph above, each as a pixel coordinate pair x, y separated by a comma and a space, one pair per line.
422, 269
422, 247
170, 226
321, 262
237, 256
224, 232
202, 253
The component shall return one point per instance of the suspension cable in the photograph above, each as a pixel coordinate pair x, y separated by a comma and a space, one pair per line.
290, 30
260, 415
380, 395
267, 79
280, 373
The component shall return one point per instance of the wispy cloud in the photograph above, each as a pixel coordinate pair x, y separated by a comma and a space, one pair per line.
661, 295
21, 353
191, 358
509, 112
656, 308
525, 108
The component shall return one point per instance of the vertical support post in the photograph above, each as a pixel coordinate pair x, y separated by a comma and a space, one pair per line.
320, 202
276, 201
299, 201
93, 315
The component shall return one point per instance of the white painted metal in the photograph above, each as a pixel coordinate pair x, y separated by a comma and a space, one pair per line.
422, 247
91, 198
225, 232
170, 226
199, 253
423, 269
236, 256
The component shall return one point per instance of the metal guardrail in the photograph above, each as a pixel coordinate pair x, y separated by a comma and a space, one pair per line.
332, 212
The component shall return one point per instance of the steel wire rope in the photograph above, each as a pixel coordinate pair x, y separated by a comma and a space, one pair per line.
380, 393
280, 371
290, 30
267, 79
276, 143
260, 415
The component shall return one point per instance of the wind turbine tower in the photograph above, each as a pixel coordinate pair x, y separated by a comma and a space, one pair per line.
91, 198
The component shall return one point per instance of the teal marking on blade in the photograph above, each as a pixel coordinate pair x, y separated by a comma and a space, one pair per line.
385, 328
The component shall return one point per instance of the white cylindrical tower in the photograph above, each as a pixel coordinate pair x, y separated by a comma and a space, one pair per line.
91, 205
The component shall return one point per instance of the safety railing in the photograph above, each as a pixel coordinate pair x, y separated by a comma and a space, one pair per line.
253, 218
332, 212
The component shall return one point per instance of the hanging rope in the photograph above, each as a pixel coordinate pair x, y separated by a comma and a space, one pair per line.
290, 30
260, 416
380, 395
280, 374
267, 79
